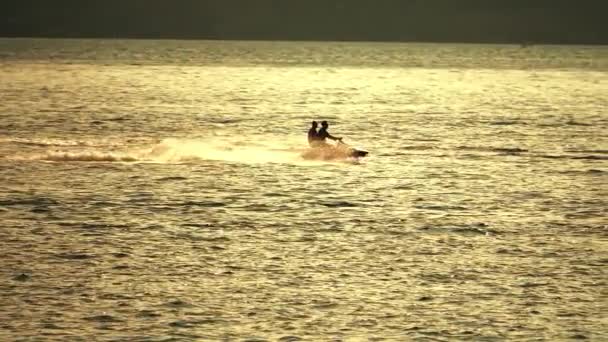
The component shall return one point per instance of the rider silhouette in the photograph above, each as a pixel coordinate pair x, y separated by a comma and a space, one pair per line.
313, 135
324, 134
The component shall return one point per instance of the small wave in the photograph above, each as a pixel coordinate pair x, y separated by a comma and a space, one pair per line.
37, 201
561, 124
566, 156
172, 178
509, 150
441, 207
585, 172
544, 124
45, 142
428, 140
506, 123
339, 204
576, 123
22, 277
209, 204
220, 120
493, 149
588, 151
117, 119
75, 256
418, 148
103, 319
178, 303
475, 229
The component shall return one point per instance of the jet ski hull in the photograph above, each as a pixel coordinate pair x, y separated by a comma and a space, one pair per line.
329, 152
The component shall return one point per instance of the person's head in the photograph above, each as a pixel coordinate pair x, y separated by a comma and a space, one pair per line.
324, 124
314, 124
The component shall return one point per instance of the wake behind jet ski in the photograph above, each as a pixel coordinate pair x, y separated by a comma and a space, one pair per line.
321, 150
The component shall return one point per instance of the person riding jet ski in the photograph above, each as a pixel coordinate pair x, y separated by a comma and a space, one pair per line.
323, 134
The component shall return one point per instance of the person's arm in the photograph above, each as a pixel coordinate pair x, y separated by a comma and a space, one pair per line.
332, 137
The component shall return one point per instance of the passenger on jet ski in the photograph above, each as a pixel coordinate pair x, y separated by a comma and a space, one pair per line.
313, 134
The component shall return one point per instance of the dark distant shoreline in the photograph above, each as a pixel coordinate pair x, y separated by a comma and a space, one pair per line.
522, 22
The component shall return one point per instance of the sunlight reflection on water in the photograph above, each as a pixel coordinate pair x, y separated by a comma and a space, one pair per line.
171, 201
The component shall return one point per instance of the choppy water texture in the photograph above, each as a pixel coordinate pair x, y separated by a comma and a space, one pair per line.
154, 190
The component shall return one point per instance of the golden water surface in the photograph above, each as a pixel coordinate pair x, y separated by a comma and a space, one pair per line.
154, 191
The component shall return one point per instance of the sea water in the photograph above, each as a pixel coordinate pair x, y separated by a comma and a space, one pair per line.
155, 190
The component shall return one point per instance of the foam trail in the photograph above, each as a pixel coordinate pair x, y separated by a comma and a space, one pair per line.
87, 156
181, 150
50, 142
250, 150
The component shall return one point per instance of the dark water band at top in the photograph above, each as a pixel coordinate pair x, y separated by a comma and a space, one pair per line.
431, 20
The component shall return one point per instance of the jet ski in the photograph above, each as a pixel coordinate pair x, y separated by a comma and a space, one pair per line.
340, 151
